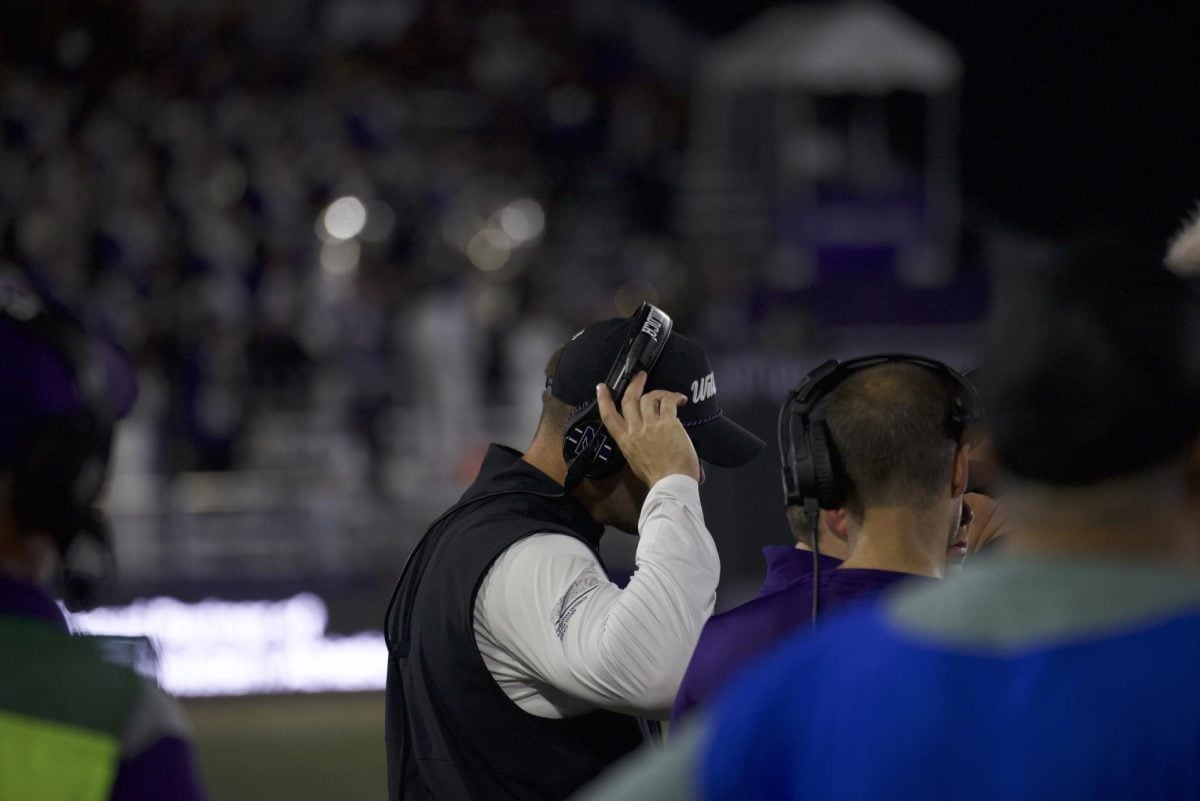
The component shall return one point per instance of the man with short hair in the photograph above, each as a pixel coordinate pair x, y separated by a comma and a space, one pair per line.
516, 668
72, 724
905, 473
1063, 665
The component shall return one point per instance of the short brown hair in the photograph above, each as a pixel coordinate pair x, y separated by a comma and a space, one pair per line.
890, 425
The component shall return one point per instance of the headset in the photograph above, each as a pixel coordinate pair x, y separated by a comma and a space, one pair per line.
587, 448
58, 478
813, 474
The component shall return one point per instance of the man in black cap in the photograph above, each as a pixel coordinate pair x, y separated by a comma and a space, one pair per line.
517, 669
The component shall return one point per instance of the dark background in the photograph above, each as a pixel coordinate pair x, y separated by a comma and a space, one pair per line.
1073, 114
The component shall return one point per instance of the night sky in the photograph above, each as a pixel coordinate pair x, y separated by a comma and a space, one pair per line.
1073, 115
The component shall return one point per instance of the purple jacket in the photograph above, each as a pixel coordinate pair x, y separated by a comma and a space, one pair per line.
787, 564
732, 640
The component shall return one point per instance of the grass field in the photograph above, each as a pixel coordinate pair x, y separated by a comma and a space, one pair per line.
291, 747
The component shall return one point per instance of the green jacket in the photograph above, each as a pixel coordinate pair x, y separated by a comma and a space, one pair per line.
67, 716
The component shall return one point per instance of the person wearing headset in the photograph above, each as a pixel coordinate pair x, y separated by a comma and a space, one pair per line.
73, 725
517, 669
983, 522
1061, 666
890, 430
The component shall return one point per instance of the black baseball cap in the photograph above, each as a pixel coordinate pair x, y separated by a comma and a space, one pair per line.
683, 367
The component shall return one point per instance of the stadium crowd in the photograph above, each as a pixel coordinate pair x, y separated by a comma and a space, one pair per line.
166, 170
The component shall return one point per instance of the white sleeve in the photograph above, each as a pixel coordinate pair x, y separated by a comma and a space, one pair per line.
548, 617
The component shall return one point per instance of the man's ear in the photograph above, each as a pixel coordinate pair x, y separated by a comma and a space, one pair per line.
836, 522
960, 473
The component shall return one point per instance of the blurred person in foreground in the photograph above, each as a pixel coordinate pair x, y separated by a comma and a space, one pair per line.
1183, 251
73, 725
517, 669
1063, 666
891, 430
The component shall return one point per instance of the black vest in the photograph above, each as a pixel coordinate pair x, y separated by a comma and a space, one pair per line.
452, 733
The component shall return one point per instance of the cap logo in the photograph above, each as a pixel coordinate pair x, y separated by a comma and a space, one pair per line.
704, 389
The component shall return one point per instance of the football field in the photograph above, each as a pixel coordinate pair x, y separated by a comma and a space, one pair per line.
291, 747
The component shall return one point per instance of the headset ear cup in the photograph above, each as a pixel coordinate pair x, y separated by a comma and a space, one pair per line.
611, 459
587, 447
831, 491
799, 477
575, 433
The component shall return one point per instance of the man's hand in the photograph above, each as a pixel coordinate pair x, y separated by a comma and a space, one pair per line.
988, 522
648, 431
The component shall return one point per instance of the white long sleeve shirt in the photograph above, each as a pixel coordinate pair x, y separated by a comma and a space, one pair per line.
561, 639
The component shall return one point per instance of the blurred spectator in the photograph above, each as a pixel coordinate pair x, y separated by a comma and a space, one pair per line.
165, 164
73, 723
